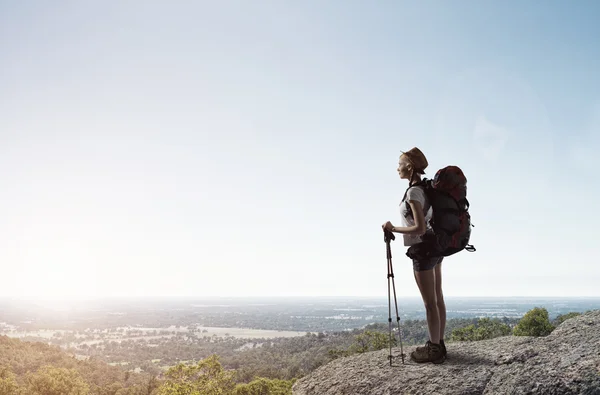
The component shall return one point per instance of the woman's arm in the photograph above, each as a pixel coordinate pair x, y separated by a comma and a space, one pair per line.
420, 226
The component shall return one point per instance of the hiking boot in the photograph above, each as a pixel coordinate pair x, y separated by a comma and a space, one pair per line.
430, 353
442, 344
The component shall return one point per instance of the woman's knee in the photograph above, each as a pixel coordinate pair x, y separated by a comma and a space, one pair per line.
431, 304
440, 302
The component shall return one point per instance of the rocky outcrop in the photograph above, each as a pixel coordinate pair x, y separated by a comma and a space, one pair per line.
565, 362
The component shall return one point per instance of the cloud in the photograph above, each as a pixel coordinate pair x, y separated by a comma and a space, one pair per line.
489, 138
583, 147
473, 97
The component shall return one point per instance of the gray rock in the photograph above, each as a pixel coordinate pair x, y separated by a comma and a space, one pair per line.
565, 362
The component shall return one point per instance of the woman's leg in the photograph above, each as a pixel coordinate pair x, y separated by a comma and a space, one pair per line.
425, 276
439, 296
426, 283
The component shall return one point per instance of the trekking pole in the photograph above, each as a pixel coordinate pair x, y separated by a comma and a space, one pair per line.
388, 237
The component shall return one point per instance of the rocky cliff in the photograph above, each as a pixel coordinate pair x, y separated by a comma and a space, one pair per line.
565, 362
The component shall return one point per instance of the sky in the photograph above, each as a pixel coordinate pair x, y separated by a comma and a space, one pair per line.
236, 148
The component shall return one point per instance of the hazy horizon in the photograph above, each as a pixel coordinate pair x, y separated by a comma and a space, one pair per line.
231, 148
151, 298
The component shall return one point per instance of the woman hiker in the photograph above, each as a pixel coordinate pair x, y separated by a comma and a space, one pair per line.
428, 273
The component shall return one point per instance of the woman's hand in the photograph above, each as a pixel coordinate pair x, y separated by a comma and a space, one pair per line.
388, 226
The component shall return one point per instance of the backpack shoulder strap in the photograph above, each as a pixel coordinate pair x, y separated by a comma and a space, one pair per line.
423, 184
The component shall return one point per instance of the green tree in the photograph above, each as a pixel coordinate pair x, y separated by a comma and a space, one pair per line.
264, 386
335, 353
534, 323
205, 378
563, 317
135, 390
484, 329
371, 341
368, 340
8, 384
50, 380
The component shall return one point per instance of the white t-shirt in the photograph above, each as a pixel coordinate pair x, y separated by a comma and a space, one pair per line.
415, 193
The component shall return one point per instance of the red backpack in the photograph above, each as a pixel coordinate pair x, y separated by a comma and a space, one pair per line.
451, 221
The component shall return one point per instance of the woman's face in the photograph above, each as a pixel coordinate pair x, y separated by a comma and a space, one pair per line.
404, 167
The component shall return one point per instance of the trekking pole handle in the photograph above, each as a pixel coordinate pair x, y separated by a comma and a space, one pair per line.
388, 235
